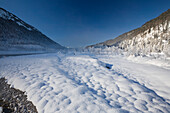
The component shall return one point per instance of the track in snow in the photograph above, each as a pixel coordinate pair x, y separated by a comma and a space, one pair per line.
79, 83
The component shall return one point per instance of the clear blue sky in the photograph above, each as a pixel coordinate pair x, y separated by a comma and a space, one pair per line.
77, 23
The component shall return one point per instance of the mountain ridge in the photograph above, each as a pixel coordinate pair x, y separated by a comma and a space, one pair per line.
154, 24
7, 15
15, 34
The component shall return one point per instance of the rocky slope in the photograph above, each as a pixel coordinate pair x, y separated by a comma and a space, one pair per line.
13, 100
15, 34
153, 36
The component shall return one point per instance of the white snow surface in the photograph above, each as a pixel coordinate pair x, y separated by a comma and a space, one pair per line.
0, 109
88, 83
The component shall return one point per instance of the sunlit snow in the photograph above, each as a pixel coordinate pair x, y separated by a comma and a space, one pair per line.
83, 82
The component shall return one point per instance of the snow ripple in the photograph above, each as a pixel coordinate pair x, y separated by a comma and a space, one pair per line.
79, 83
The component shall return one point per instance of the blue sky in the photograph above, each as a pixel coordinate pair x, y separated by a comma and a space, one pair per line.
78, 23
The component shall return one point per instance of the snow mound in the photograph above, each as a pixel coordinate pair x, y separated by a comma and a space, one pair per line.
78, 83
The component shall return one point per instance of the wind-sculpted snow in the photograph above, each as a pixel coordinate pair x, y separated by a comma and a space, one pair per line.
78, 83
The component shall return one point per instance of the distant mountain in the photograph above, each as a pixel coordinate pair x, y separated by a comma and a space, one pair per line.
153, 36
15, 34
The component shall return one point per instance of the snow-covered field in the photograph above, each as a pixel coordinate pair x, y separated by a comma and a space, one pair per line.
89, 83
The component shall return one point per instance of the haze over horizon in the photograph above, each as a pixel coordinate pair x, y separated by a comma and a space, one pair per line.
79, 23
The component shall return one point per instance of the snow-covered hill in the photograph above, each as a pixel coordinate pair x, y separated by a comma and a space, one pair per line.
15, 34
153, 36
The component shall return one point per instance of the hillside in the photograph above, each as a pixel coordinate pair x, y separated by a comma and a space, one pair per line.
153, 36
15, 34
